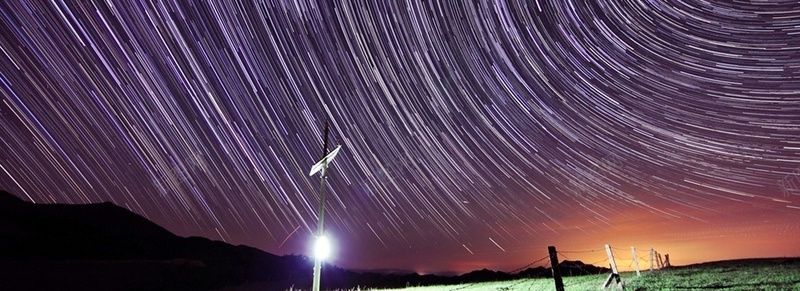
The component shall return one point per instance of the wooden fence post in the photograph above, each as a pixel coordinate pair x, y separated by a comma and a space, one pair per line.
658, 260
553, 265
652, 255
614, 272
635, 261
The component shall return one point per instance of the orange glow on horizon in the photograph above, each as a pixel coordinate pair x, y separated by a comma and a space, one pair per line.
714, 236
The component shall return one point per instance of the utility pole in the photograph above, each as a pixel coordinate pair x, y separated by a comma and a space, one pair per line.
321, 242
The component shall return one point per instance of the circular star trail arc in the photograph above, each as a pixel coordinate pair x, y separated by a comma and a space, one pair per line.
471, 126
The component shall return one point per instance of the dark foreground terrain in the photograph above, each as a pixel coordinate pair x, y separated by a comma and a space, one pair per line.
106, 247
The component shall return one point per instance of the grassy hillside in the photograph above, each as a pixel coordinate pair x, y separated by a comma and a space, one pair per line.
588, 282
752, 274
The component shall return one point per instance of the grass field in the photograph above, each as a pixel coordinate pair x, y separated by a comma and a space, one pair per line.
756, 274
589, 282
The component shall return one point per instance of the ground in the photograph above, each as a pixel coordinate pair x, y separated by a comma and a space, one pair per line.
756, 274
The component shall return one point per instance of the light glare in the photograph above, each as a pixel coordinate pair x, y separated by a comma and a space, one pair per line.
322, 248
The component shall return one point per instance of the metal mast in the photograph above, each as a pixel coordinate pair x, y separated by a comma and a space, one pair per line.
322, 165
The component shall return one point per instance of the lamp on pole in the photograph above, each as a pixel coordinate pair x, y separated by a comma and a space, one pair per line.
321, 244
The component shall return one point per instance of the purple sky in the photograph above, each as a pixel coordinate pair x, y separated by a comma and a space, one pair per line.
473, 134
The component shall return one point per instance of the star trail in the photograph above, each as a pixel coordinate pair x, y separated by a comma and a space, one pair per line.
473, 134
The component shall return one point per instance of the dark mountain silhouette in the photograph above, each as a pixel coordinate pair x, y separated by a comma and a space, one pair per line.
578, 268
106, 247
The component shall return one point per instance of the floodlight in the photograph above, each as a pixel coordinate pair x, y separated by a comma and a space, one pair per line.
322, 248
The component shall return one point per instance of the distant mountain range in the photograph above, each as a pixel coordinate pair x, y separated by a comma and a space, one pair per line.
106, 247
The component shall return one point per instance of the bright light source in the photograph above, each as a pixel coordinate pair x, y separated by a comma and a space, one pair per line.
322, 248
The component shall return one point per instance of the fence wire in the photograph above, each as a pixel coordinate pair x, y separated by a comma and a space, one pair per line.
527, 266
641, 255
579, 252
517, 270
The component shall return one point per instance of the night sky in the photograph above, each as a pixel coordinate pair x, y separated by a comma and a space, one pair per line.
473, 135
